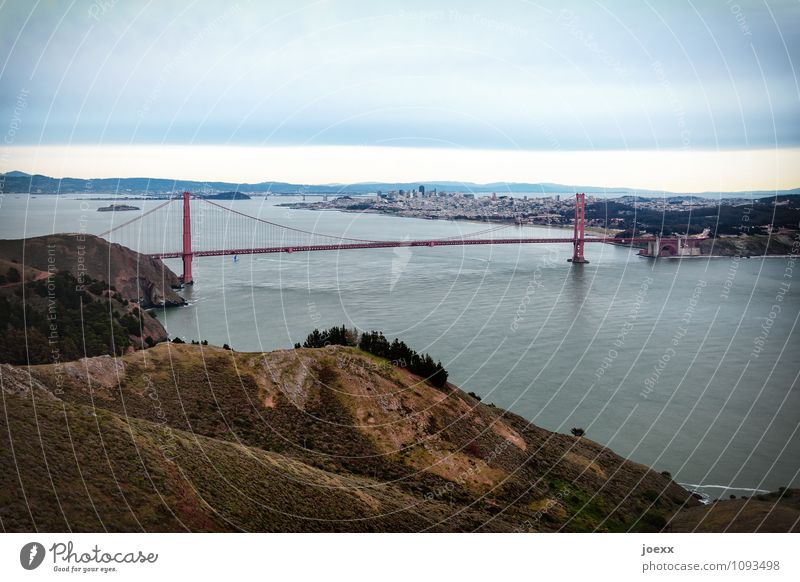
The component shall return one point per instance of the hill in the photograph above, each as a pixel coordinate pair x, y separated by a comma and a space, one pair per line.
242, 426
56, 303
137, 277
87, 469
773, 512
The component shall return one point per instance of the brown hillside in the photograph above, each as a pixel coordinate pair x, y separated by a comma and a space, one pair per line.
772, 512
350, 414
74, 468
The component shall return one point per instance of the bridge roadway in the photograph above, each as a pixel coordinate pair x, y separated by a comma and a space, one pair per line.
400, 243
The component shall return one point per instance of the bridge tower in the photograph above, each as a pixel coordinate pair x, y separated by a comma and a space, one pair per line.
578, 231
187, 241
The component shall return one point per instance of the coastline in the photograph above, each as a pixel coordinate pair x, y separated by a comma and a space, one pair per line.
589, 229
295, 206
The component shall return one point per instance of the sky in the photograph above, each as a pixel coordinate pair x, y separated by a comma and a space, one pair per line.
676, 95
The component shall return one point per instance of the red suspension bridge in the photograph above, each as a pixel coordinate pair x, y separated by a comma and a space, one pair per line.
215, 230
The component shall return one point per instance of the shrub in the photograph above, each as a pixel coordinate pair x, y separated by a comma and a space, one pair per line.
403, 356
650, 495
326, 374
654, 520
13, 276
335, 336
578, 432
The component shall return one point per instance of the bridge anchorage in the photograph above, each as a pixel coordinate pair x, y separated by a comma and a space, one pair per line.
216, 230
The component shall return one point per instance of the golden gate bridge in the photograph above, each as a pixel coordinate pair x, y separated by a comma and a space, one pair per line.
216, 230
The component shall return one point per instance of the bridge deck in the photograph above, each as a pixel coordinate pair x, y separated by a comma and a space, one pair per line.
396, 244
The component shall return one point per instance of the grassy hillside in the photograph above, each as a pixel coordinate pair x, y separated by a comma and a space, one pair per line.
84, 469
336, 414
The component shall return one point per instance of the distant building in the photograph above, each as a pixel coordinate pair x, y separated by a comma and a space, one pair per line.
422, 190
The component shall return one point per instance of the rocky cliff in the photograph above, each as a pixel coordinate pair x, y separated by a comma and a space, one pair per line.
136, 277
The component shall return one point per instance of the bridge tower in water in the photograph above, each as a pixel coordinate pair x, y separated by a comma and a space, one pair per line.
578, 231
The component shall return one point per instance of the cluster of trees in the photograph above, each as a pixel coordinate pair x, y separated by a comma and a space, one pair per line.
335, 336
178, 340
374, 342
67, 323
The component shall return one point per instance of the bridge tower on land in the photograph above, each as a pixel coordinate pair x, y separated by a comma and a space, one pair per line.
578, 231
187, 255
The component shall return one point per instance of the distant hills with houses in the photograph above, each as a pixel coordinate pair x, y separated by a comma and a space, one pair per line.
17, 182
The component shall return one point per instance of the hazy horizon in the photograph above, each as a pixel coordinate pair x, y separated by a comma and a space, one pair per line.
669, 171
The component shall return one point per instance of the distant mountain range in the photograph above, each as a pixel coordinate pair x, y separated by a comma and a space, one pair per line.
21, 183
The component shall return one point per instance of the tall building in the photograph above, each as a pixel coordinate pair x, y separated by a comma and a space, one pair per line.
422, 190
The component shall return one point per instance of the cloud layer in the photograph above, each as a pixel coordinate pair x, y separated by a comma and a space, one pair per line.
510, 75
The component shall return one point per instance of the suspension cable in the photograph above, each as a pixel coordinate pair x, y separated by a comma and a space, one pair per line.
282, 225
141, 216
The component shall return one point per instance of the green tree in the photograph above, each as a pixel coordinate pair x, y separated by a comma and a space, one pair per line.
13, 276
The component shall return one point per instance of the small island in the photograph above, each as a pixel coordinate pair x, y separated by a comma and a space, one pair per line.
227, 196
117, 208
